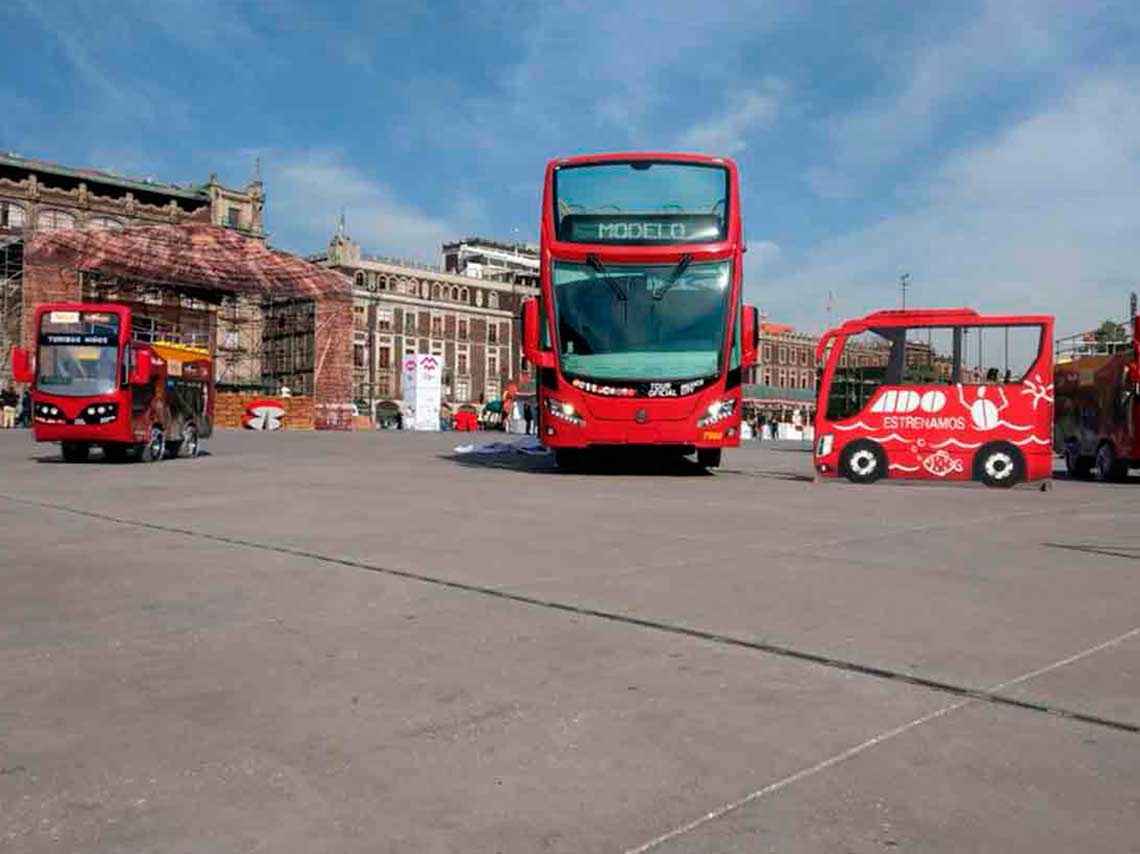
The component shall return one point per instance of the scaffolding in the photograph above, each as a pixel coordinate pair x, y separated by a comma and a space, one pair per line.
11, 301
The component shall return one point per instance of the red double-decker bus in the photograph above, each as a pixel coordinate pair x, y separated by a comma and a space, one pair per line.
640, 335
93, 386
940, 394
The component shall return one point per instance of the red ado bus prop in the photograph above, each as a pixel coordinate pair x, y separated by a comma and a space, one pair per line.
938, 394
92, 385
640, 335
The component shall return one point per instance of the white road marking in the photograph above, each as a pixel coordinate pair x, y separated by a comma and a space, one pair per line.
850, 752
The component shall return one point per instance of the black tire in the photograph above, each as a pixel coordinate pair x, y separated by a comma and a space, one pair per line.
155, 449
709, 458
1078, 467
863, 461
1109, 469
75, 452
999, 465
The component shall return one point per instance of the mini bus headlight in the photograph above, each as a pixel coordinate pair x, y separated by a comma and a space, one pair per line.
826, 443
718, 411
563, 411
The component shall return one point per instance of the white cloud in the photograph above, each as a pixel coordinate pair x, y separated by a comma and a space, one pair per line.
1040, 219
749, 112
307, 191
927, 76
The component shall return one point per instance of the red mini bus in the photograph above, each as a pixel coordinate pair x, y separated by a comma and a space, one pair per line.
640, 335
937, 394
92, 385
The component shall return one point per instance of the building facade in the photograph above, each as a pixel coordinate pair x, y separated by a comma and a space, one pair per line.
480, 258
36, 195
400, 309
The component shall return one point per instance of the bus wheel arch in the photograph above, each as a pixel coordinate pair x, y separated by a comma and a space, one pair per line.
1077, 465
999, 464
863, 461
190, 444
155, 447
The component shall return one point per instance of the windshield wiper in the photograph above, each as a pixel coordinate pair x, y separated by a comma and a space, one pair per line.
595, 263
675, 276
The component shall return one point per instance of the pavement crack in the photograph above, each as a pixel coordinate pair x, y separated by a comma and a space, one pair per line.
990, 696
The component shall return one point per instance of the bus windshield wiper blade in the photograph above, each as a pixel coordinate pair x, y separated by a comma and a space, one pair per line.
595, 263
675, 276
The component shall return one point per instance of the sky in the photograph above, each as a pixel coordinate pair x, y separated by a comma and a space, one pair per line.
988, 148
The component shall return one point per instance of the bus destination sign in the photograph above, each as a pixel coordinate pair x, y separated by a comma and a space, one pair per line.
641, 228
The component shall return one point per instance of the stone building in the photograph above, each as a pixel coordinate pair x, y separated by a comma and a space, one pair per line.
400, 308
36, 195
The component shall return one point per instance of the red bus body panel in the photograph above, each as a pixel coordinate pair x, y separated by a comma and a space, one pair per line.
613, 420
129, 426
933, 432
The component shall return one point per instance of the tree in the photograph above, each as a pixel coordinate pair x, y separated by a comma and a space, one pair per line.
1110, 331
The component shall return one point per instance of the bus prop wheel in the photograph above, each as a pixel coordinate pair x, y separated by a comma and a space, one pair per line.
863, 461
1076, 466
708, 458
155, 449
1108, 468
190, 445
999, 464
75, 452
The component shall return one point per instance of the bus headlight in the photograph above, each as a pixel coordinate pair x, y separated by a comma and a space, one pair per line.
718, 411
563, 411
826, 443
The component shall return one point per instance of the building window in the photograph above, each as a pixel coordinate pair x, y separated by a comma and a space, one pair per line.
803, 357
358, 279
409, 323
767, 351
492, 333
492, 300
11, 215
462, 333
492, 364
462, 390
233, 217
461, 362
382, 282
437, 325
767, 376
384, 355
103, 223
782, 355
53, 220
424, 290
435, 291
455, 292
384, 319
463, 295
358, 355
358, 316
479, 298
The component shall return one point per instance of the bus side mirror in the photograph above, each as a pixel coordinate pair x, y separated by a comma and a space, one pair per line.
143, 369
749, 335
532, 336
22, 365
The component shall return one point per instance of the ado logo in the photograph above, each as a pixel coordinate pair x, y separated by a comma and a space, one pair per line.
909, 401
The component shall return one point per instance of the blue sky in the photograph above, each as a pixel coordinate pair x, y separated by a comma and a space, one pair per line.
990, 149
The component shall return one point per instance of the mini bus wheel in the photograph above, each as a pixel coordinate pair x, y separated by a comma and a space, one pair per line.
1078, 467
999, 464
155, 449
75, 452
708, 458
189, 446
863, 461
1108, 468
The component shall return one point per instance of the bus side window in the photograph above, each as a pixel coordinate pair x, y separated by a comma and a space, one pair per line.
999, 354
860, 371
929, 356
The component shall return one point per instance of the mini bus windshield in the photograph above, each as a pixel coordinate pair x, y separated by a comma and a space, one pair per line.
78, 353
641, 202
635, 322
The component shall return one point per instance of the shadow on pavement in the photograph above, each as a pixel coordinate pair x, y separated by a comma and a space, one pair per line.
626, 462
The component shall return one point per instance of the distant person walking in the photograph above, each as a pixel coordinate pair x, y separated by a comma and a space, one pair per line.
774, 428
8, 403
528, 417
26, 409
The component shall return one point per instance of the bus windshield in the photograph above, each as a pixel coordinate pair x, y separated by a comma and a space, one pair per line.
636, 322
78, 353
641, 202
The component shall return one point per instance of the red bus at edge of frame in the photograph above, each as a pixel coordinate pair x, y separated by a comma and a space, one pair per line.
990, 426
